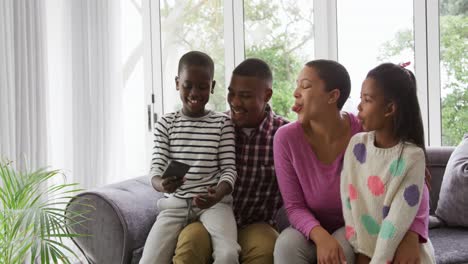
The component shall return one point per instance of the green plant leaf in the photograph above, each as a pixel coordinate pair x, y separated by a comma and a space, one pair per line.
33, 218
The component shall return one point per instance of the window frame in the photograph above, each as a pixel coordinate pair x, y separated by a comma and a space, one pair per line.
426, 39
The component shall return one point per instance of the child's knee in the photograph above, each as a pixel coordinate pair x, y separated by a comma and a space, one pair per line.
257, 242
194, 235
193, 245
227, 255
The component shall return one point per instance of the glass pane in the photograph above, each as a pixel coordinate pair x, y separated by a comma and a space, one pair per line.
372, 32
453, 21
186, 26
281, 33
135, 88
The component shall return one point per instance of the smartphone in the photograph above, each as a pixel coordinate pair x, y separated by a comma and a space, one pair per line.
176, 168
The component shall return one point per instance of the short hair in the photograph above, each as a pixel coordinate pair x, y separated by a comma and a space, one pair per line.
335, 76
196, 58
253, 67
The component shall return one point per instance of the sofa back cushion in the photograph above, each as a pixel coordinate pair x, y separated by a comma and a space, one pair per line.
453, 200
437, 158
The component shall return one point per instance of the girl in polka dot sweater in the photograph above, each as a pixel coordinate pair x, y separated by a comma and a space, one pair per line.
383, 172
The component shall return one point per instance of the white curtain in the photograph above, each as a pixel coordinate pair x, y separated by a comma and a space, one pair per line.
86, 90
23, 83
65, 101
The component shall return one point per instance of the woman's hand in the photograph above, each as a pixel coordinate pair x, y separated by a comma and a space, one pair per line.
329, 250
362, 259
408, 250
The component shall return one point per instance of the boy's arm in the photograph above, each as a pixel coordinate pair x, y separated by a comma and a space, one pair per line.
227, 158
160, 156
403, 209
227, 164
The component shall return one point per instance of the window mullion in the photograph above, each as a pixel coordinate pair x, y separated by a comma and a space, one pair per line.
421, 59
233, 36
326, 33
239, 43
229, 50
433, 65
156, 56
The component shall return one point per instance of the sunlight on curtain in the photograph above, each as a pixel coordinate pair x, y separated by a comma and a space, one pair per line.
23, 83
98, 115
98, 129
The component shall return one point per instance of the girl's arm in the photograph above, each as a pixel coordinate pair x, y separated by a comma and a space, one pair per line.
299, 215
403, 208
420, 224
345, 194
408, 250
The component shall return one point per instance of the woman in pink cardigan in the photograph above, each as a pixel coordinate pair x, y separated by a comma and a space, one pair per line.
308, 157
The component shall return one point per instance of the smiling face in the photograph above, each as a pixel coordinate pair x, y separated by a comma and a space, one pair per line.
373, 109
247, 98
311, 98
194, 84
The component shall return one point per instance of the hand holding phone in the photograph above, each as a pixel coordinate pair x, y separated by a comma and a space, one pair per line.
172, 178
176, 169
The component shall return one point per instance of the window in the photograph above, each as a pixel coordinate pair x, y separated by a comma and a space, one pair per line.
287, 34
370, 33
282, 34
191, 25
453, 21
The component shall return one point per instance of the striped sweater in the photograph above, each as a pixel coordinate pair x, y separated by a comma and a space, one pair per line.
205, 143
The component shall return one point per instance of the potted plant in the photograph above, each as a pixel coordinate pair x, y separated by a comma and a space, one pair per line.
33, 223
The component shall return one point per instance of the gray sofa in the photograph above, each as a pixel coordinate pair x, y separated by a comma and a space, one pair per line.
124, 213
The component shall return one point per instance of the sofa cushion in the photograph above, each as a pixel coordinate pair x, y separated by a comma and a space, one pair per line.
435, 222
437, 158
453, 197
450, 244
136, 255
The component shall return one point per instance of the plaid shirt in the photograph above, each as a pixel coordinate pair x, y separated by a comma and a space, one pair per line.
256, 194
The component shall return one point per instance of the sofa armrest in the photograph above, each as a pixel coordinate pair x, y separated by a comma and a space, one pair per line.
119, 222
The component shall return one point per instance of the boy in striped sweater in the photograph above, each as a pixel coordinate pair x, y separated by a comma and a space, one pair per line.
203, 139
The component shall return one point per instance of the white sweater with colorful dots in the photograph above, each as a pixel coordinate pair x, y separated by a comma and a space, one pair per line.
381, 191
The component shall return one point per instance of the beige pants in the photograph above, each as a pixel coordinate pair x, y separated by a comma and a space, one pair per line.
257, 242
218, 221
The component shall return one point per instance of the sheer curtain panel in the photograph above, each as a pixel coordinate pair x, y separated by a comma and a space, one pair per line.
86, 88
23, 83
